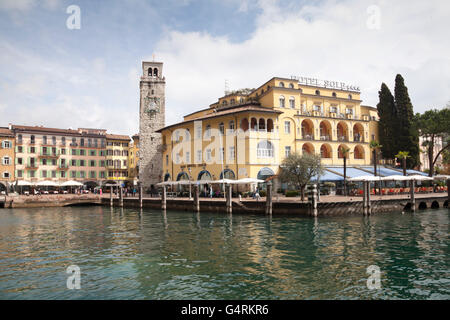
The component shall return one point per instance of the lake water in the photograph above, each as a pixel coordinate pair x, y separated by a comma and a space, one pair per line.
128, 254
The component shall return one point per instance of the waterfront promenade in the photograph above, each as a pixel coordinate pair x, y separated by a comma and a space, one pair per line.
328, 205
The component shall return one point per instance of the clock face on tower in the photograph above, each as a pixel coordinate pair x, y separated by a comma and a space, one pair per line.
151, 106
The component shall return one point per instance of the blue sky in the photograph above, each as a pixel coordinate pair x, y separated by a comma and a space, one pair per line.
53, 76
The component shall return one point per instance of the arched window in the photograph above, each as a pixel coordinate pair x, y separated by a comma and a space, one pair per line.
155, 72
262, 125
224, 102
204, 175
317, 93
232, 101
19, 138
231, 125
182, 176
350, 96
208, 131
254, 124
241, 100
269, 125
150, 72
307, 148
281, 101
334, 94
359, 152
227, 174
282, 84
291, 85
221, 128
32, 139
244, 124
264, 149
292, 102
325, 151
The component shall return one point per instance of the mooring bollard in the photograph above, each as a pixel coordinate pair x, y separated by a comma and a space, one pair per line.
120, 197
365, 195
140, 194
196, 199
269, 198
412, 195
164, 199
369, 204
229, 202
448, 192
110, 196
313, 200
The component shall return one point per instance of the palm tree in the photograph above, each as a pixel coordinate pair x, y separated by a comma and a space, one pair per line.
403, 155
374, 146
345, 152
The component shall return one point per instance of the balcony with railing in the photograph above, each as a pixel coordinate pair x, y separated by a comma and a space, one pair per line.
31, 165
49, 154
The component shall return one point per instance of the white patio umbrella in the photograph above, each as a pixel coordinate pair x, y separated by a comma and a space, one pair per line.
47, 184
249, 181
71, 183
418, 177
223, 181
23, 183
397, 178
365, 178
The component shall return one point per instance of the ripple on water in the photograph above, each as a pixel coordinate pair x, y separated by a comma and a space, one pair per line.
178, 255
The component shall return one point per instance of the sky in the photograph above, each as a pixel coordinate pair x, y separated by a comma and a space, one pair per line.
88, 77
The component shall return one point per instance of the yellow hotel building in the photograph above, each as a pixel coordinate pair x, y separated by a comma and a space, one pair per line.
117, 157
281, 116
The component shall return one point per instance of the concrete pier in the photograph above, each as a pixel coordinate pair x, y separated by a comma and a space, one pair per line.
269, 198
229, 201
196, 199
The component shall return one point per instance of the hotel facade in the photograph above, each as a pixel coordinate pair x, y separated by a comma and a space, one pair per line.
37, 153
7, 156
248, 133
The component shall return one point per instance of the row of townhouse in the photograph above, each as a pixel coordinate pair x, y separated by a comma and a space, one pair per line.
90, 156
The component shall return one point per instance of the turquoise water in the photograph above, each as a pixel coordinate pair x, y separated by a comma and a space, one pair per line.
128, 254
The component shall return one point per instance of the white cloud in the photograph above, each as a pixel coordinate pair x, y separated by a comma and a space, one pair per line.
330, 40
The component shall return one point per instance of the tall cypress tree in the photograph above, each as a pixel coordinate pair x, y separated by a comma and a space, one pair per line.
388, 124
408, 135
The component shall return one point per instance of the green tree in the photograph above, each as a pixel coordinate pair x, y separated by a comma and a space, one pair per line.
403, 155
434, 126
375, 146
407, 133
388, 123
299, 170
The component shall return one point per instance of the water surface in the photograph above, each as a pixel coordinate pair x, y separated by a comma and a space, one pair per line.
128, 254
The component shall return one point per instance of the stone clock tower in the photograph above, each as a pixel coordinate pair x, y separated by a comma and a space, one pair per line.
151, 118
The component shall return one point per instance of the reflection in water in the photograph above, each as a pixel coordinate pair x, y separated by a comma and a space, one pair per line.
137, 254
